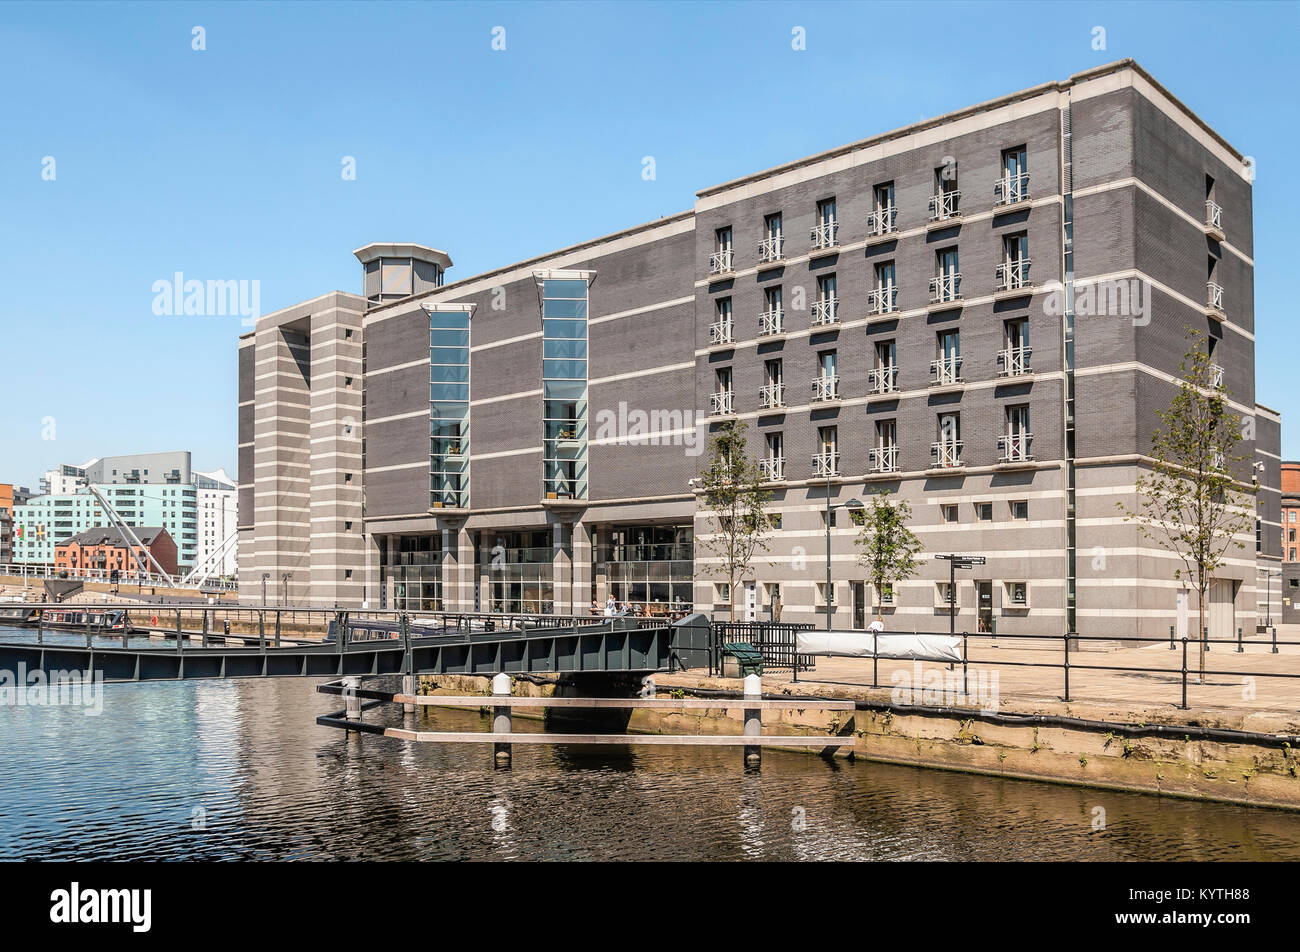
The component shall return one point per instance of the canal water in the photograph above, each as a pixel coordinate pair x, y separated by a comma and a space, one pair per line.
239, 770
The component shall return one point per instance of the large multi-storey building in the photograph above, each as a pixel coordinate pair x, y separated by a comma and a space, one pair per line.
980, 312
149, 489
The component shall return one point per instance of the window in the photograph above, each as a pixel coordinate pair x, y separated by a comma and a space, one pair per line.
824, 309
946, 283
722, 593
1013, 273
826, 461
827, 384
824, 233
1014, 358
1019, 509
722, 392
883, 217
773, 391
1290, 516
947, 448
883, 298
722, 259
1290, 535
772, 320
773, 464
1014, 184
821, 594
946, 367
1014, 446
949, 511
946, 201
1017, 595
772, 247
984, 511
946, 595
722, 330
884, 455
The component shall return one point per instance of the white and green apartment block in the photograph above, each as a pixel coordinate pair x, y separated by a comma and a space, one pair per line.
197, 509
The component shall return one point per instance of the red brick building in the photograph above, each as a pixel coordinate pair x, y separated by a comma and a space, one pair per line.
103, 550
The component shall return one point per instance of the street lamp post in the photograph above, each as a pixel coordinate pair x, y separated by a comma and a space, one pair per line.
265, 576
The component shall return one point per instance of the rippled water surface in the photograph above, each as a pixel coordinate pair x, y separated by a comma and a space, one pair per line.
239, 770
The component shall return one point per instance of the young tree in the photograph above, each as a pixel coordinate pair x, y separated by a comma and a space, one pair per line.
888, 548
730, 489
1191, 502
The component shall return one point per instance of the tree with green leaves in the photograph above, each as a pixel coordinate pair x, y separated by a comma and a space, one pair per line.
730, 489
1194, 501
887, 547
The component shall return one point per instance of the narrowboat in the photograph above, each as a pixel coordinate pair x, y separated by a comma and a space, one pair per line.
80, 619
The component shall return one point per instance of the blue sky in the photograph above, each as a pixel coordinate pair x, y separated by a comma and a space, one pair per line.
225, 163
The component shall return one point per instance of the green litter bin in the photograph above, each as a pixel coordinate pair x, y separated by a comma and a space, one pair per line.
740, 659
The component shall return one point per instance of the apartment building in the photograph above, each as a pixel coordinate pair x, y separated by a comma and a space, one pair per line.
105, 551
147, 489
981, 313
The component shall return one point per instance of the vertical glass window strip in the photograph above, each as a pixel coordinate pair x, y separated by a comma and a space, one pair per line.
449, 409
564, 388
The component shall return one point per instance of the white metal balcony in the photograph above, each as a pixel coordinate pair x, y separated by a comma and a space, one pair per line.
946, 452
1011, 189
1014, 447
1213, 215
771, 248
1012, 274
884, 459
721, 332
721, 262
884, 379
772, 468
721, 402
883, 221
945, 370
1013, 361
882, 299
1214, 296
826, 388
945, 205
825, 311
945, 287
771, 322
771, 396
825, 235
1216, 376
826, 463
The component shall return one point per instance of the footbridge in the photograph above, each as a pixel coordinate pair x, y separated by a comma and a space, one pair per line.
376, 643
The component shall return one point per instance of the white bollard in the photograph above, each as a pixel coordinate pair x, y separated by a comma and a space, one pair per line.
350, 686
408, 687
501, 718
753, 717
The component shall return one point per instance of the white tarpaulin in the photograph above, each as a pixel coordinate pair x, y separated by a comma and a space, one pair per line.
863, 644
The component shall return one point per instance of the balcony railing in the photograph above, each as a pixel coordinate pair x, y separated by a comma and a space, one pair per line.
882, 299
945, 370
1214, 295
1216, 376
1012, 275
771, 395
826, 463
771, 321
1011, 189
721, 332
945, 287
721, 262
826, 387
771, 248
945, 205
1213, 215
721, 402
825, 311
884, 459
825, 235
884, 379
946, 452
772, 468
1014, 447
1013, 361
883, 221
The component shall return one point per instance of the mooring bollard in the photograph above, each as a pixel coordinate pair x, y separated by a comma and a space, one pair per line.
1239, 648
1172, 646
350, 686
1275, 639
1184, 672
501, 719
753, 718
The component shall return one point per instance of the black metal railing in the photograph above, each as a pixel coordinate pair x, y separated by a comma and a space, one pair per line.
775, 641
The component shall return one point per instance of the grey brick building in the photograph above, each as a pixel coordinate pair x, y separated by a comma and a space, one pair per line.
981, 312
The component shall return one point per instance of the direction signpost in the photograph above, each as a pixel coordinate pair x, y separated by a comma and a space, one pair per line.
956, 562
